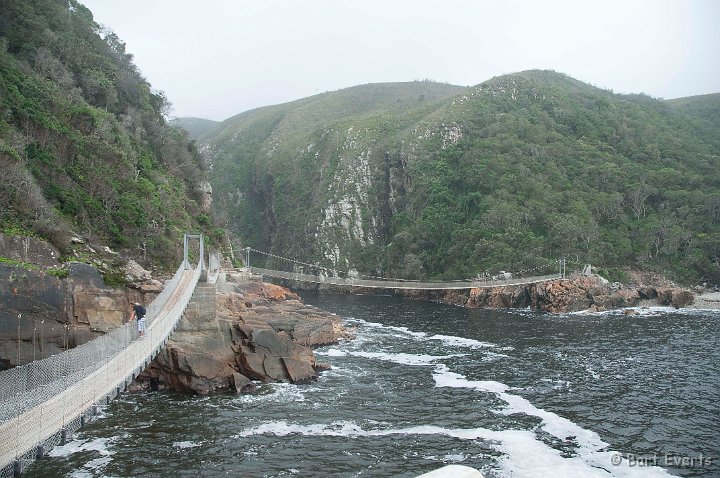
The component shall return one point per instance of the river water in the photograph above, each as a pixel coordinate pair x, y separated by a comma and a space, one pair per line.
512, 393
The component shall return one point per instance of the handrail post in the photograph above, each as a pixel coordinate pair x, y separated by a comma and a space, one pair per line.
186, 264
202, 253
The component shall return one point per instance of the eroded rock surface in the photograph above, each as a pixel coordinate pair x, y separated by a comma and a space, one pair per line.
236, 333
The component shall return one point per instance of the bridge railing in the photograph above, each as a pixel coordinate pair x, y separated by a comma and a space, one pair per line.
395, 284
41, 400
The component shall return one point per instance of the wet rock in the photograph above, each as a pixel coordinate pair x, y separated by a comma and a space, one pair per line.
617, 300
241, 384
500, 297
675, 297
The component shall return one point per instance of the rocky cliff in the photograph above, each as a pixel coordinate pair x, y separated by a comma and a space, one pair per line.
47, 306
240, 331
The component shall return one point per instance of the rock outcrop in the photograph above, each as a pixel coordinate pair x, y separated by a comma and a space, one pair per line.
50, 311
235, 333
577, 293
30, 250
677, 298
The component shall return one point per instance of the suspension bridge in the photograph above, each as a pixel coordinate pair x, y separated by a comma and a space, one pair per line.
43, 402
325, 276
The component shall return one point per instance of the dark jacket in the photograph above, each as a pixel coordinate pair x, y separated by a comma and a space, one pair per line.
139, 311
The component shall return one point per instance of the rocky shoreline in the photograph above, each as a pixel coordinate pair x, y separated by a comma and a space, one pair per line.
239, 332
575, 294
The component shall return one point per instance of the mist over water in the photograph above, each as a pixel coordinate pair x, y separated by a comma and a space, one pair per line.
512, 393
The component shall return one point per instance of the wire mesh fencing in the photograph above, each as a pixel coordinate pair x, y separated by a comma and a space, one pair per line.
397, 284
52, 396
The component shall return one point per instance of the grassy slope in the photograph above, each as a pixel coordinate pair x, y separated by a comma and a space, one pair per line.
703, 106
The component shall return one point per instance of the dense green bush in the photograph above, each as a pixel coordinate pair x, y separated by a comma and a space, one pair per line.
84, 144
509, 175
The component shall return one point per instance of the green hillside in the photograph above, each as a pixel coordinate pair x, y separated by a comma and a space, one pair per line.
510, 174
84, 145
195, 127
703, 106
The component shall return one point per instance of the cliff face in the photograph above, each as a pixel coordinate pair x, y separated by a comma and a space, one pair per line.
49, 306
237, 332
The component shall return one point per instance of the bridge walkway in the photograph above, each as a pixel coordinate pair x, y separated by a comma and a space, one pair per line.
42, 402
395, 284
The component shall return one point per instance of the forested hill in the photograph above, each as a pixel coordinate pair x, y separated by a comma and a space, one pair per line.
195, 127
427, 180
84, 145
703, 106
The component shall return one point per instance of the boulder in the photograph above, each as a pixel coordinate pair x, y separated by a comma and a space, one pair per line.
29, 249
567, 295
299, 370
675, 297
647, 292
101, 309
682, 298
134, 272
617, 300
240, 383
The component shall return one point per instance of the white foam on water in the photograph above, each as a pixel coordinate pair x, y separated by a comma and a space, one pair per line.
331, 353
455, 458
445, 378
449, 340
100, 445
96, 465
492, 356
399, 358
637, 311
186, 444
405, 359
453, 341
280, 392
402, 330
592, 372
591, 453
524, 455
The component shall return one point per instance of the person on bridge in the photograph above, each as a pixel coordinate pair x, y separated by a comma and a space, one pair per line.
139, 314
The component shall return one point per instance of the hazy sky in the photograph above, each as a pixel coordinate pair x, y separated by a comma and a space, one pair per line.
217, 58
